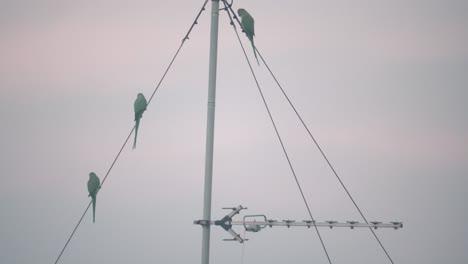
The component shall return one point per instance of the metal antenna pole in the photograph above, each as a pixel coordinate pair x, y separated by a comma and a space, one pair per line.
210, 131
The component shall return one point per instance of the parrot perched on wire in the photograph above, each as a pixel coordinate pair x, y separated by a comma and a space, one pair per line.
93, 188
140, 107
247, 22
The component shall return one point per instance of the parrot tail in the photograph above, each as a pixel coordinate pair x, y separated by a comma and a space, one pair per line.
136, 132
94, 208
254, 50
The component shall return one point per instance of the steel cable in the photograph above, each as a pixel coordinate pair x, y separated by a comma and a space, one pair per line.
277, 132
131, 132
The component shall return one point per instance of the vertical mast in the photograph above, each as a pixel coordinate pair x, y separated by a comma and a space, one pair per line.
210, 131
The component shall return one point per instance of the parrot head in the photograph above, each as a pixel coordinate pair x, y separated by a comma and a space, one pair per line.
241, 12
92, 175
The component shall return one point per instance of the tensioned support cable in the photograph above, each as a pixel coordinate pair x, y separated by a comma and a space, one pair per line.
316, 142
195, 22
131, 132
323, 154
276, 129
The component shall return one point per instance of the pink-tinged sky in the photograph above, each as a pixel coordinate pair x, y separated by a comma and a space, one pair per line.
381, 84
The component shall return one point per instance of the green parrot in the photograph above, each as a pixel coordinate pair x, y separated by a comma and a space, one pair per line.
140, 107
93, 188
248, 27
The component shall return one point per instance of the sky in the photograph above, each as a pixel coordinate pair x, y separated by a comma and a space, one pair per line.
382, 85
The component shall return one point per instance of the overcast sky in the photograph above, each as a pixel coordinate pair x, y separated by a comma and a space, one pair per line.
381, 84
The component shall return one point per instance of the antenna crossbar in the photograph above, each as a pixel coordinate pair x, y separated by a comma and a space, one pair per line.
255, 226
305, 223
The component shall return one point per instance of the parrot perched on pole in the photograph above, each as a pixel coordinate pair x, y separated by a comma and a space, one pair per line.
93, 188
247, 22
139, 107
